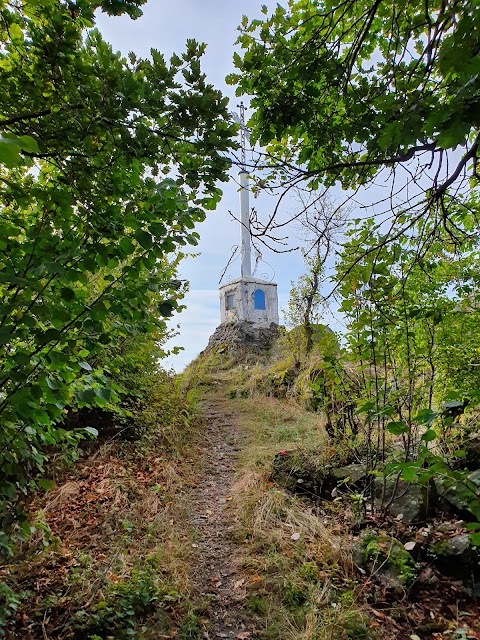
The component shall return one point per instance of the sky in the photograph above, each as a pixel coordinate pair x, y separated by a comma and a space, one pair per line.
166, 26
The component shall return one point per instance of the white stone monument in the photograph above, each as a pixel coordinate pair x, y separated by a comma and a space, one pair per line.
247, 298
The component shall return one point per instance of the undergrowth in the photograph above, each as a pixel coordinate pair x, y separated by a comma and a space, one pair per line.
110, 550
302, 584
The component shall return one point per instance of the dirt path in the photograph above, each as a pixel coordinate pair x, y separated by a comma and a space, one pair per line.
214, 574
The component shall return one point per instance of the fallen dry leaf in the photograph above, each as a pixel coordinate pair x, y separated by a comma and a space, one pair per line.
378, 614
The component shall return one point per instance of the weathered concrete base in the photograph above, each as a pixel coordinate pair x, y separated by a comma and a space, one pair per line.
243, 335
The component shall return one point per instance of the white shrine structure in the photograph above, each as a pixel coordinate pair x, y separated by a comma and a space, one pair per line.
247, 298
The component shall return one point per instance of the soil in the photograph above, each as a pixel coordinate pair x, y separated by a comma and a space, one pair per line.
214, 574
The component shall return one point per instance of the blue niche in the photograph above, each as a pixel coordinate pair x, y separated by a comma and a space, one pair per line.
259, 299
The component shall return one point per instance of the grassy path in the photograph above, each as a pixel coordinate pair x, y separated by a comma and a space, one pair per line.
265, 560
214, 575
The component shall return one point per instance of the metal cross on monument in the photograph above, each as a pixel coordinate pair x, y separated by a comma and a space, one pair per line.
245, 243
239, 118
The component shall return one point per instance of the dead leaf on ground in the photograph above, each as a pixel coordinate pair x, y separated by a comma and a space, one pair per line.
378, 614
215, 581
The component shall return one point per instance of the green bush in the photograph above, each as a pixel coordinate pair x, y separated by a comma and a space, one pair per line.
126, 607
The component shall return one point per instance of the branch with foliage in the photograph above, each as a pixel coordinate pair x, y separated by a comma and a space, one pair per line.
106, 165
359, 95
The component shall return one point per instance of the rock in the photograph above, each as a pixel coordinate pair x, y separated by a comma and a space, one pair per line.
351, 474
411, 501
458, 545
472, 452
301, 473
456, 556
475, 478
297, 473
460, 497
233, 337
387, 559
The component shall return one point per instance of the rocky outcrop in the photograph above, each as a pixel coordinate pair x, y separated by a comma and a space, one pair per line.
235, 337
304, 475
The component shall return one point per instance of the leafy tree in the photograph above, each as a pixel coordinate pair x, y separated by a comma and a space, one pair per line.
354, 93
106, 165
320, 223
413, 339
303, 313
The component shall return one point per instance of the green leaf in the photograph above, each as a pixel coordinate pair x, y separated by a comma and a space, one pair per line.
85, 396
409, 473
28, 144
429, 435
475, 539
46, 484
127, 246
104, 393
68, 294
426, 417
85, 365
368, 406
9, 153
91, 431
144, 239
452, 404
166, 309
22, 359
51, 335
397, 428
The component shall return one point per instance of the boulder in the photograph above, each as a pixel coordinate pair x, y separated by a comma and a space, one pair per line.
456, 556
385, 558
351, 474
472, 452
411, 501
301, 473
296, 472
459, 496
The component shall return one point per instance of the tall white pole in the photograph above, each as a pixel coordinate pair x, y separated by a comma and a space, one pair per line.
246, 268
